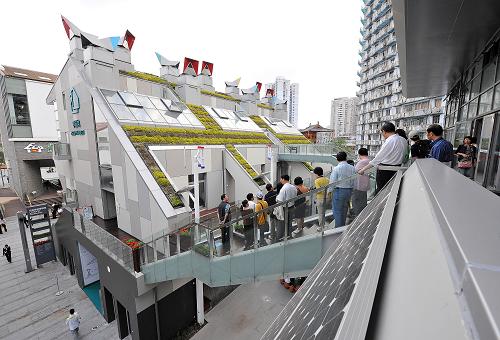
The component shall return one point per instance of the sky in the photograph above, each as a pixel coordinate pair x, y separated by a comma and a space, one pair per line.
313, 43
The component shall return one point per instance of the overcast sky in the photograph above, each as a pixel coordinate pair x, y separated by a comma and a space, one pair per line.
313, 43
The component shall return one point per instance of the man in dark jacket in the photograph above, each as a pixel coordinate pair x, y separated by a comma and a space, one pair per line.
7, 253
420, 148
270, 198
224, 214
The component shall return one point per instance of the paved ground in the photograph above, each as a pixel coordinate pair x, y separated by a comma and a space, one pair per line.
246, 313
29, 308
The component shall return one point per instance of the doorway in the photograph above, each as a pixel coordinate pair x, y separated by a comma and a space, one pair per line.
483, 131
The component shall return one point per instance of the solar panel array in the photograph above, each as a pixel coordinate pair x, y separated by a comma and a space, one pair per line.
230, 120
281, 126
318, 308
135, 108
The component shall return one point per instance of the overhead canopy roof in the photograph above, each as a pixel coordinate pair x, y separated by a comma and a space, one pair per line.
437, 40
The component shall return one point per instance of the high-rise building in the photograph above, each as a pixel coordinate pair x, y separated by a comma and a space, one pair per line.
289, 92
380, 93
343, 116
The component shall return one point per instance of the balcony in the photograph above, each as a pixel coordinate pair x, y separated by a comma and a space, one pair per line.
62, 152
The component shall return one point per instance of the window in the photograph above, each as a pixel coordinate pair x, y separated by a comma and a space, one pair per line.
21, 110
202, 180
475, 86
493, 181
485, 101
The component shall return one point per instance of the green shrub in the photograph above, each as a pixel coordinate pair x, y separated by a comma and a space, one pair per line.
148, 76
220, 95
265, 106
248, 168
308, 166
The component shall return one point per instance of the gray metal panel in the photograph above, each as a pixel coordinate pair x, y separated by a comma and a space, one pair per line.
437, 40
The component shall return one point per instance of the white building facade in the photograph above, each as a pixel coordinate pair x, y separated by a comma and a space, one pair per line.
343, 116
380, 96
284, 90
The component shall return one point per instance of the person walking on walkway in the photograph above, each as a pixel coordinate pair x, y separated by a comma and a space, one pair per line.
392, 153
224, 215
262, 224
2, 222
270, 199
362, 185
7, 253
300, 205
441, 149
466, 154
73, 322
250, 199
247, 224
286, 193
321, 196
342, 188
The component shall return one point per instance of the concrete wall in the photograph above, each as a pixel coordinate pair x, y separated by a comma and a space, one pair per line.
43, 122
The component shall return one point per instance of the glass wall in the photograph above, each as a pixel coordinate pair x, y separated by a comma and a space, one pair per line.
472, 109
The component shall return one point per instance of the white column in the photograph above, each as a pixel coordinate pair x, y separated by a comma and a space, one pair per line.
200, 306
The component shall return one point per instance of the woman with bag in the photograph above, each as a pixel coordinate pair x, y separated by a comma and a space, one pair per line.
247, 224
466, 154
300, 205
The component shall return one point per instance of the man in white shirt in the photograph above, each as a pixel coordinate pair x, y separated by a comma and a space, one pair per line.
73, 322
251, 203
392, 153
288, 191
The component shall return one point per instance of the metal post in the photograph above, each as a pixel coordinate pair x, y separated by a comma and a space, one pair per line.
285, 212
274, 167
200, 305
27, 259
157, 316
196, 202
167, 245
255, 232
178, 243
59, 291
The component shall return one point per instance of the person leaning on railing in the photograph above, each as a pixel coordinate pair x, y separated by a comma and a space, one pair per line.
392, 153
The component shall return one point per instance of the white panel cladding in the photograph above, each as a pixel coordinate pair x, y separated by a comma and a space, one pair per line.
255, 154
123, 218
98, 208
43, 117
146, 227
158, 219
83, 172
131, 179
119, 189
131, 84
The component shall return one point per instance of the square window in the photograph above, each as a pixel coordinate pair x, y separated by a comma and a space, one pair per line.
145, 102
130, 99
122, 112
140, 114
21, 109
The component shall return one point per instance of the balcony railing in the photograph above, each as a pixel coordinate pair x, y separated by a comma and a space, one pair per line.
122, 253
62, 151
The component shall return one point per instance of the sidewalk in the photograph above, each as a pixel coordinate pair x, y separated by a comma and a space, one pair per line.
246, 313
29, 308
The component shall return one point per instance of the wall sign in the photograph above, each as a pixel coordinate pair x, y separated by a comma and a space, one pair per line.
74, 103
90, 269
33, 148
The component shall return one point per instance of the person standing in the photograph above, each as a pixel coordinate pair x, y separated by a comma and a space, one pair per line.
7, 253
251, 203
342, 188
419, 148
441, 149
466, 154
73, 322
2, 222
262, 224
320, 182
359, 197
392, 153
247, 224
224, 215
300, 205
286, 193
270, 199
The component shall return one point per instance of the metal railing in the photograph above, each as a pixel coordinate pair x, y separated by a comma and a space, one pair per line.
313, 149
307, 215
111, 245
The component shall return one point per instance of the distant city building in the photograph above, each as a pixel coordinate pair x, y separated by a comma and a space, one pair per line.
318, 134
343, 116
380, 96
289, 92
29, 129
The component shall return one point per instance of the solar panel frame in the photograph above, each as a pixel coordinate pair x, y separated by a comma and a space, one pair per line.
345, 278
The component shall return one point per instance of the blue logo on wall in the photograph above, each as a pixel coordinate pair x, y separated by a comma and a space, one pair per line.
74, 101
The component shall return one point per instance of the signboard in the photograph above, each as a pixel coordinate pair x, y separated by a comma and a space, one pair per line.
74, 103
90, 268
33, 148
41, 233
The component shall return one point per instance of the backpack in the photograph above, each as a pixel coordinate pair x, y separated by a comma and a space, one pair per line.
261, 217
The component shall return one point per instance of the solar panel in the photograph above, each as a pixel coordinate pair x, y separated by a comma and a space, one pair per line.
136, 108
318, 309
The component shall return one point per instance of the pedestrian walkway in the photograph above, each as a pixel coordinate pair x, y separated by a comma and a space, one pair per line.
29, 308
246, 313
